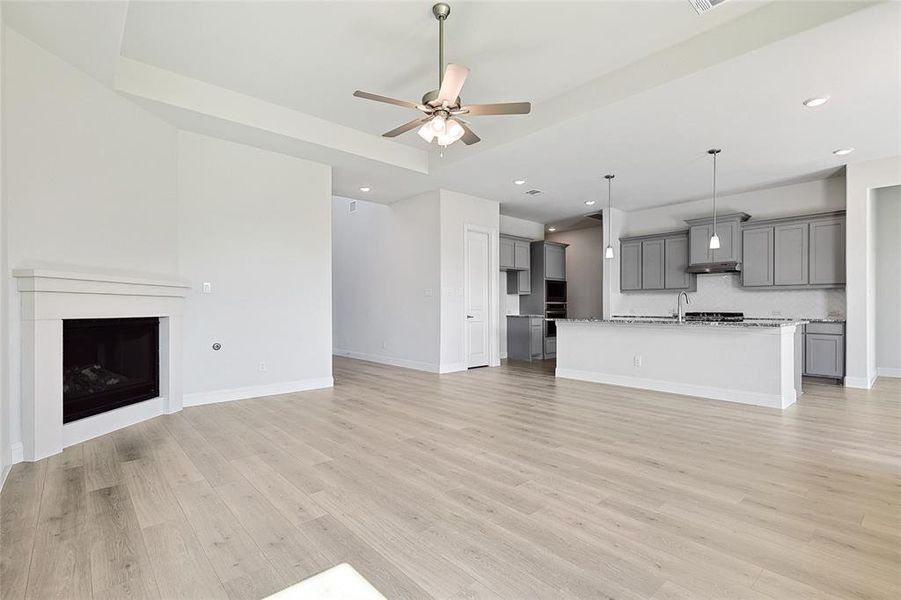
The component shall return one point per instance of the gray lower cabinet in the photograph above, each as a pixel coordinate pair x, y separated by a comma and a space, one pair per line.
525, 337
652, 265
519, 282
824, 350
506, 254
790, 254
795, 252
554, 262
630, 266
550, 347
827, 252
675, 263
757, 253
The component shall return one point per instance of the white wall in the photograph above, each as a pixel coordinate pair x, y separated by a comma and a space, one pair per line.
457, 211
387, 288
860, 264
509, 303
584, 271
256, 226
724, 292
5, 460
887, 212
90, 181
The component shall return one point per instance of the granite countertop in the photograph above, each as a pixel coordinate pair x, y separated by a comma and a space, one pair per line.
528, 316
748, 323
807, 319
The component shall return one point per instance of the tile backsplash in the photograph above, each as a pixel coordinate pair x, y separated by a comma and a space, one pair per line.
724, 292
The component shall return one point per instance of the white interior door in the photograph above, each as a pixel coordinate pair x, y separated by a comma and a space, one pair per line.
477, 298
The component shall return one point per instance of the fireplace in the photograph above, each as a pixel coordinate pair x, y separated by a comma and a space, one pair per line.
108, 364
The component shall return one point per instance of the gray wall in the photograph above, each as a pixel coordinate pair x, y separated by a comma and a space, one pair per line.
887, 207
584, 270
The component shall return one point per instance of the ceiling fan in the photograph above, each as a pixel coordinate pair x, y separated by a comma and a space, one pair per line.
442, 108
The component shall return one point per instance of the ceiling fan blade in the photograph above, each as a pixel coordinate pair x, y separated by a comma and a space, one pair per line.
469, 137
454, 78
405, 127
508, 108
385, 99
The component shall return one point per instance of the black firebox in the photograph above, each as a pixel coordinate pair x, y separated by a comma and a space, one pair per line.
108, 364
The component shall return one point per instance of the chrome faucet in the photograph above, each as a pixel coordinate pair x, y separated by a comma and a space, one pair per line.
679, 304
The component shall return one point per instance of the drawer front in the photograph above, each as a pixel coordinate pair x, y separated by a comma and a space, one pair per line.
825, 328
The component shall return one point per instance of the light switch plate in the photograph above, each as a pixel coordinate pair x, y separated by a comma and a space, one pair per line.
207, 287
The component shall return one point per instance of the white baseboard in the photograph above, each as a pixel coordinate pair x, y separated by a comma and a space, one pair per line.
861, 383
257, 391
452, 367
742, 397
88, 428
16, 453
888, 372
388, 360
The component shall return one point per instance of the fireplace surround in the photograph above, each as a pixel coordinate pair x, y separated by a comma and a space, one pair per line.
50, 298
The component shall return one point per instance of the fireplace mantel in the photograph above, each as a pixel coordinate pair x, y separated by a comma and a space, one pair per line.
48, 296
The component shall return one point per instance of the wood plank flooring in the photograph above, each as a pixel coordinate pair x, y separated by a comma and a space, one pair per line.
487, 484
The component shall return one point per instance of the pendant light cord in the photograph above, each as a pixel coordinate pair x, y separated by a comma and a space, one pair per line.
714, 192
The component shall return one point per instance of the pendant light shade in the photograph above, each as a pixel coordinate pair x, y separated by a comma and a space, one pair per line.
714, 239
608, 252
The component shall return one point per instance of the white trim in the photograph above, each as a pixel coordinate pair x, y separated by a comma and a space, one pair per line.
861, 383
4, 475
453, 367
742, 397
888, 372
257, 391
388, 360
16, 453
493, 300
88, 428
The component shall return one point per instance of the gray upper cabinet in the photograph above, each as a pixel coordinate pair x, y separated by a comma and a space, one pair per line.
790, 256
757, 256
798, 252
655, 263
519, 282
728, 229
675, 263
506, 255
521, 259
630, 266
652, 264
699, 241
554, 261
730, 242
827, 251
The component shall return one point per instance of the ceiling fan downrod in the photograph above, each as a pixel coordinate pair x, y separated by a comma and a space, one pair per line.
441, 12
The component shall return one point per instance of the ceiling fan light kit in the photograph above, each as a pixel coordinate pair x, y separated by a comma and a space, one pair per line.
442, 107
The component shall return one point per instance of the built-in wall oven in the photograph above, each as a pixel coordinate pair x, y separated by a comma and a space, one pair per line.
555, 292
553, 311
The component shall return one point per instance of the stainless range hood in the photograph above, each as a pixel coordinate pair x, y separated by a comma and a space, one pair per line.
729, 266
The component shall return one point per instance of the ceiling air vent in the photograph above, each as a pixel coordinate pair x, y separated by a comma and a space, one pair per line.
533, 192
702, 6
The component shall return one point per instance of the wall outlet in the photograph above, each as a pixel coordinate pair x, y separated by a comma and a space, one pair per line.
636, 360
428, 292
384, 345
262, 366
207, 287
777, 313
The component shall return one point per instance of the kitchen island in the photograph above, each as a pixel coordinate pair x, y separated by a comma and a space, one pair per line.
753, 362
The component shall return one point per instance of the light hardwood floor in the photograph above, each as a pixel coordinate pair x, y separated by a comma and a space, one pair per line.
493, 483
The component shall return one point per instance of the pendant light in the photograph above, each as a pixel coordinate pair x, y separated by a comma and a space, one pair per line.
714, 239
608, 252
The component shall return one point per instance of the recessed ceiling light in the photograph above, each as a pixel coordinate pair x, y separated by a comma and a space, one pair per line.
589, 203
843, 151
519, 181
814, 102
552, 229
365, 189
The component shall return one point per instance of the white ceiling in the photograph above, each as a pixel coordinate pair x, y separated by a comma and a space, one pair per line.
638, 88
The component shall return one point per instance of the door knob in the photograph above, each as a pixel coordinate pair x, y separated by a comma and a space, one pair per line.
470, 317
